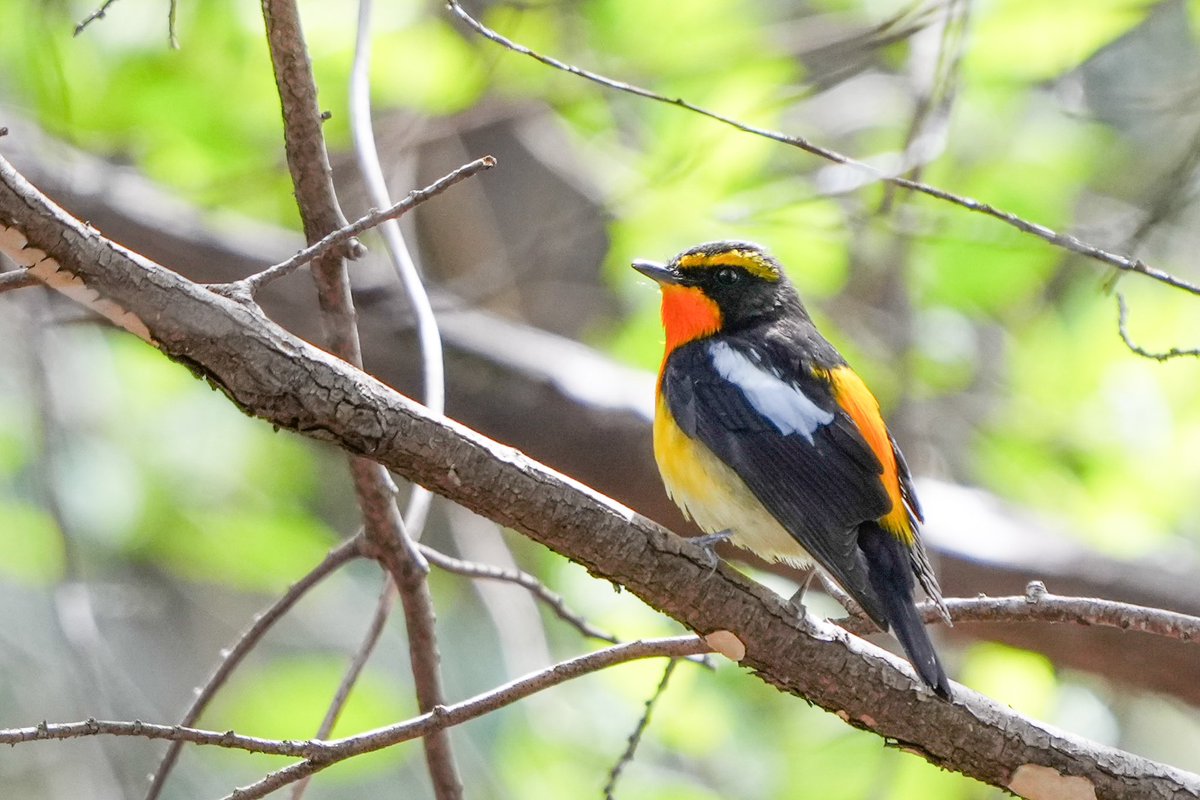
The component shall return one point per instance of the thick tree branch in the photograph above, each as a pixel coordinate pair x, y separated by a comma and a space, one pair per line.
273, 375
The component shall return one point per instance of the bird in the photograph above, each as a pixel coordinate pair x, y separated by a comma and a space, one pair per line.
764, 435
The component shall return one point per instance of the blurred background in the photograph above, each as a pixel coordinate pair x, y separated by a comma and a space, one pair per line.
144, 520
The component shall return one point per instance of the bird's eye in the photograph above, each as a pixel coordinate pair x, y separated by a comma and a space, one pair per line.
727, 276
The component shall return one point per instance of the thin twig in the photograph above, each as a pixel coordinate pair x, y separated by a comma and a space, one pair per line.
867, 172
16, 279
338, 556
523, 579
1123, 329
369, 220
179, 734
383, 611
446, 716
92, 17
327, 753
1055, 608
635, 738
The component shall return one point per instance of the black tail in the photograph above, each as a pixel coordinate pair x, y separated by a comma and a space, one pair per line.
891, 577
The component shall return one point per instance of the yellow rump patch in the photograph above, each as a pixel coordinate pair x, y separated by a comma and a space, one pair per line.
856, 399
752, 261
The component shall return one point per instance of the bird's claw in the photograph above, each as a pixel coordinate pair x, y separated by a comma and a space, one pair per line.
796, 601
709, 544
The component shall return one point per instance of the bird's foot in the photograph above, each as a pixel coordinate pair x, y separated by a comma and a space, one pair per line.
709, 545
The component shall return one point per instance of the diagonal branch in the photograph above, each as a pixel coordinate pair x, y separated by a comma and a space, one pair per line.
443, 717
539, 590
867, 173
343, 553
277, 377
364, 223
321, 754
17, 279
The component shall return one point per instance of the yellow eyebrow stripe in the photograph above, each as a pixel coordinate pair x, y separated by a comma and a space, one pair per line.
751, 261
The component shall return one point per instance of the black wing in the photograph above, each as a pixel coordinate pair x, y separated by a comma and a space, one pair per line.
820, 484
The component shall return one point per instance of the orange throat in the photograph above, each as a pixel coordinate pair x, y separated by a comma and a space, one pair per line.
687, 314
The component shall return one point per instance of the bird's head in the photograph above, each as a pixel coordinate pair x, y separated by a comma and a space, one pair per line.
720, 286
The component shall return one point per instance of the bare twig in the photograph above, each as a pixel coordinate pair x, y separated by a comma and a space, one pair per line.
446, 716
46, 731
523, 579
383, 611
369, 220
1123, 329
1055, 608
16, 279
866, 172
322, 754
92, 17
432, 361
635, 738
343, 553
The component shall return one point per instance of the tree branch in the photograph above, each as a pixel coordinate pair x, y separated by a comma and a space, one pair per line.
443, 717
550, 599
344, 552
1037, 606
371, 219
273, 375
866, 173
320, 754
1162, 355
17, 279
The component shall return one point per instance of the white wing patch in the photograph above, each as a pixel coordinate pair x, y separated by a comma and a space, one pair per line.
784, 404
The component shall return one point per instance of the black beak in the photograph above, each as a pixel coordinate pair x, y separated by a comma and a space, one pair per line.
657, 272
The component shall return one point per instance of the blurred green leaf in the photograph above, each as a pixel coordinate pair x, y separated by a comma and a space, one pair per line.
31, 544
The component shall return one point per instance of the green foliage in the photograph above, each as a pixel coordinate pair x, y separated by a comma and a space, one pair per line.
30, 541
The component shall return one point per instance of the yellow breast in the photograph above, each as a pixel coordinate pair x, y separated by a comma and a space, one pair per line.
711, 493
